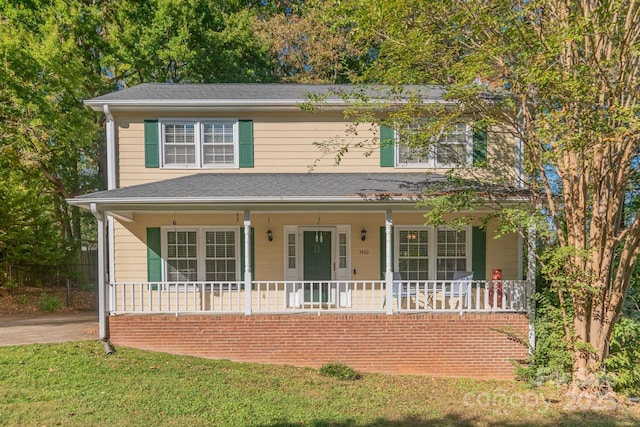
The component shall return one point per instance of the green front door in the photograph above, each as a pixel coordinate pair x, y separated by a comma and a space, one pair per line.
317, 265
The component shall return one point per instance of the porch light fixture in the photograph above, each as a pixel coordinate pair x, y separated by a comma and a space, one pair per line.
270, 235
363, 234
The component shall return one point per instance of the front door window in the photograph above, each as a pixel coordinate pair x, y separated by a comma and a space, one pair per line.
317, 265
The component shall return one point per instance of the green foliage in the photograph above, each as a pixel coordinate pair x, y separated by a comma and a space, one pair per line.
49, 304
624, 356
11, 284
561, 79
55, 54
551, 360
194, 41
309, 44
563, 274
339, 371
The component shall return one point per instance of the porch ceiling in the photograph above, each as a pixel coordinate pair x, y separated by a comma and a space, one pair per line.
278, 191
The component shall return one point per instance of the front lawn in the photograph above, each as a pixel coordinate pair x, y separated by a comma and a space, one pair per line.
78, 384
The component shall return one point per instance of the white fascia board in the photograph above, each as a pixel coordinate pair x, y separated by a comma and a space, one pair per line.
215, 200
146, 104
235, 104
155, 205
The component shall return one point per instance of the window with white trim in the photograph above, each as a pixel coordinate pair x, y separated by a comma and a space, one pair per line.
451, 148
451, 253
202, 254
413, 254
427, 253
199, 143
291, 250
220, 256
182, 259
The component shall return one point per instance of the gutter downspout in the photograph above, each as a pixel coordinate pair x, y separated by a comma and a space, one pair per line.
531, 235
111, 184
102, 289
531, 279
111, 148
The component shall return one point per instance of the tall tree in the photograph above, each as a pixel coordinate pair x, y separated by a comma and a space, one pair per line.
192, 41
56, 53
310, 46
45, 132
562, 77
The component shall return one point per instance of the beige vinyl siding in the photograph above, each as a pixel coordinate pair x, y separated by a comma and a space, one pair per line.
503, 254
130, 253
283, 143
288, 142
131, 250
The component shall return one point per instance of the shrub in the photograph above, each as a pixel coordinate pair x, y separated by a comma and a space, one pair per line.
339, 371
550, 360
49, 304
624, 356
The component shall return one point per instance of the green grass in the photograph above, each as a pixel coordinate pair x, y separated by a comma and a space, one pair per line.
77, 384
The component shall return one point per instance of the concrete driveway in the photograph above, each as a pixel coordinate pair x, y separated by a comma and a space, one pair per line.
47, 328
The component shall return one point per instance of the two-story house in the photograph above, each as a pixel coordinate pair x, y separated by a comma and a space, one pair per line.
217, 238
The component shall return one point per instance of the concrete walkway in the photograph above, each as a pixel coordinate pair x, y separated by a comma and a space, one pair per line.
47, 328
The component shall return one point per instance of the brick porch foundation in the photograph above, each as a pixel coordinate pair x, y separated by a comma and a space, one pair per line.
440, 344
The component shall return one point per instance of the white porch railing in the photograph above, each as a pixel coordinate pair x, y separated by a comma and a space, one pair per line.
331, 296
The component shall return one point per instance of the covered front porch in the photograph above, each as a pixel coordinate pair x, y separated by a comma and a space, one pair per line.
298, 243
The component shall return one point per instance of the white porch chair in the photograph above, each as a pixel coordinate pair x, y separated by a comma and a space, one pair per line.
461, 289
400, 294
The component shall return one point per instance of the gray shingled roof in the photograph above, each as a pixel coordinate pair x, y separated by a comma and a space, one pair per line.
158, 93
281, 188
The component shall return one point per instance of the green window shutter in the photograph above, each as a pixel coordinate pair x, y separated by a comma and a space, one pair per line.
479, 253
387, 147
383, 250
253, 257
480, 145
245, 137
151, 144
154, 255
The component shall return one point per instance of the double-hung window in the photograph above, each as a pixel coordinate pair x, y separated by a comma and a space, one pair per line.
413, 256
451, 148
199, 143
202, 254
427, 253
221, 256
182, 259
451, 252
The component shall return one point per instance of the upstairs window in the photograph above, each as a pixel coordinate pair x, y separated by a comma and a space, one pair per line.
199, 144
453, 148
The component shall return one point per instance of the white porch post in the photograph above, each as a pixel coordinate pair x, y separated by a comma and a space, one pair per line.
388, 273
102, 285
531, 281
247, 263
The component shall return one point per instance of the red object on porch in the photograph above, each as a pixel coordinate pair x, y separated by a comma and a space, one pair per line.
496, 287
